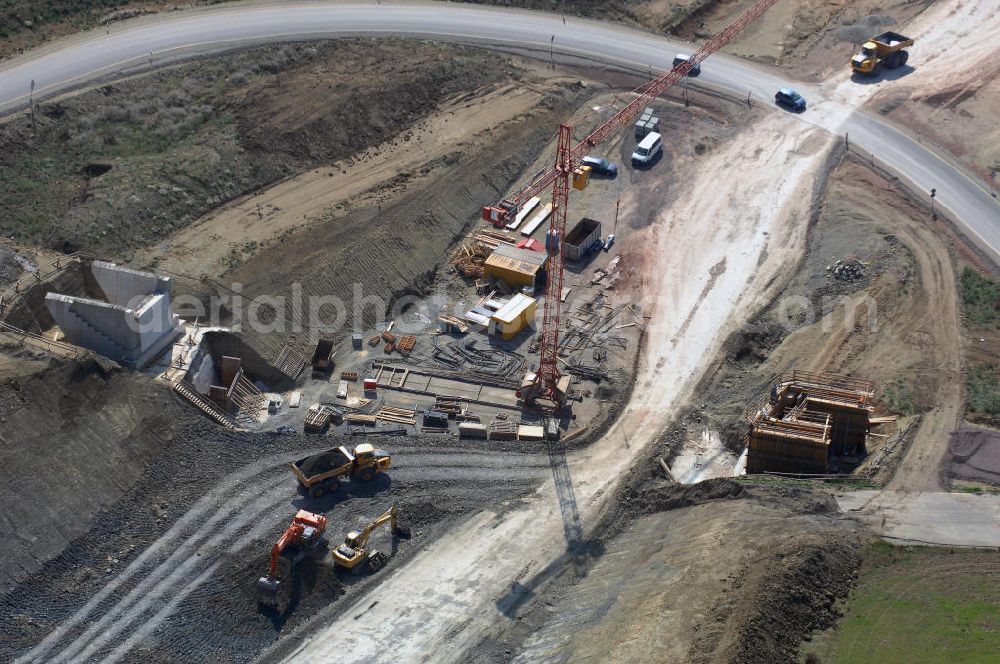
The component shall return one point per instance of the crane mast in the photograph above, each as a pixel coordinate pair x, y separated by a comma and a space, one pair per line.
545, 388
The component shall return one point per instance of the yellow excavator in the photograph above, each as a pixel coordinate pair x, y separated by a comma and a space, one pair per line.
353, 554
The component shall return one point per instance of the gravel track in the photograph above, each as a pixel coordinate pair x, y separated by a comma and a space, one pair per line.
223, 537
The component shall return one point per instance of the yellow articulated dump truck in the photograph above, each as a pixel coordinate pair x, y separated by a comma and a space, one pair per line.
885, 49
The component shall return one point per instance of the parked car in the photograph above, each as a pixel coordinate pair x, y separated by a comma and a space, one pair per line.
681, 58
599, 166
647, 149
790, 99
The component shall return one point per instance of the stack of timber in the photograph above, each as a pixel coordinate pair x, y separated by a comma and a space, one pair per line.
454, 323
351, 376
317, 419
396, 415
466, 415
486, 240
503, 430
450, 406
360, 418
805, 419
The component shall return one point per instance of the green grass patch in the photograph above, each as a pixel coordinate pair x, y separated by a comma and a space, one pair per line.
918, 604
983, 382
962, 487
980, 299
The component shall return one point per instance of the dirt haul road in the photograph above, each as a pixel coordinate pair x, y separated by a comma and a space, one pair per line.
236, 519
737, 237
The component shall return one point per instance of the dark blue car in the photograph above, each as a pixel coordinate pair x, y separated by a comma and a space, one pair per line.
790, 99
600, 166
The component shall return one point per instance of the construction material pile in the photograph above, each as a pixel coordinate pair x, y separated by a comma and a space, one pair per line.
594, 325
466, 358
850, 268
469, 257
805, 419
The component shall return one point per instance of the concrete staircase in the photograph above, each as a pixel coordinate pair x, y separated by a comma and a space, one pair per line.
108, 346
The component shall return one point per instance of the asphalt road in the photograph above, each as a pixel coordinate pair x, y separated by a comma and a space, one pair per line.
158, 40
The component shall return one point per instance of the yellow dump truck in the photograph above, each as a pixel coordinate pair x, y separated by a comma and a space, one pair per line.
319, 474
884, 49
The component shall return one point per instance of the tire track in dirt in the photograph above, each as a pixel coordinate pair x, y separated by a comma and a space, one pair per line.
241, 508
141, 600
176, 538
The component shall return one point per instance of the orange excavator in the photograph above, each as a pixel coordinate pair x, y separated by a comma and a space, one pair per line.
304, 538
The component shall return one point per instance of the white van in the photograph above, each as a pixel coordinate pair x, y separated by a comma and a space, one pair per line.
648, 148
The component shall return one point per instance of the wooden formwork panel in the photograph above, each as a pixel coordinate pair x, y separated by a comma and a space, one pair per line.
786, 453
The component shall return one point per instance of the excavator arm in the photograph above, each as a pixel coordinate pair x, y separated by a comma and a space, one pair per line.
306, 530
358, 540
353, 551
292, 534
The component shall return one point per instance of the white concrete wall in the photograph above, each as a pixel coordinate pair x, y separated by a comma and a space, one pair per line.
133, 328
126, 287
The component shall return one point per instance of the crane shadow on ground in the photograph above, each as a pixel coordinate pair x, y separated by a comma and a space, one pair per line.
579, 551
883, 75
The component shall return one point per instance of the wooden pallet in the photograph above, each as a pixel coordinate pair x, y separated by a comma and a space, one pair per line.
290, 362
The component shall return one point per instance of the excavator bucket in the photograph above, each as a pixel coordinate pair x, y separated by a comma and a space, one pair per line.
401, 531
267, 591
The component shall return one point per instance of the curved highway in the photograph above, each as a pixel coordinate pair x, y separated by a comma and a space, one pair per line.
165, 38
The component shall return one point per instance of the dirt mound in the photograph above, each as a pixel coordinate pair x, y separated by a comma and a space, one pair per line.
80, 435
722, 574
786, 597
328, 108
661, 495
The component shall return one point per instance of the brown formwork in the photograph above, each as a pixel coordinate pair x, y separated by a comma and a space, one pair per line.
849, 425
802, 397
790, 447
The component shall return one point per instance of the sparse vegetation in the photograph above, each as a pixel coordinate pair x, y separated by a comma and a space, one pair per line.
981, 299
900, 397
983, 382
124, 166
30, 22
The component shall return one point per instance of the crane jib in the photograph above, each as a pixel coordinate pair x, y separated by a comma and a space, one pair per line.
498, 214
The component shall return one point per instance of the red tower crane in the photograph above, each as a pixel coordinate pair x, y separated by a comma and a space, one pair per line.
547, 389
